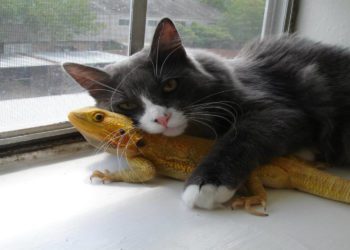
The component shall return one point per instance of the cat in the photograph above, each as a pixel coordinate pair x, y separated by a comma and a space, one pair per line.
278, 96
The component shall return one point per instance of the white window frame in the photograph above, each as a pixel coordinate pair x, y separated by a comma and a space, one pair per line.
279, 17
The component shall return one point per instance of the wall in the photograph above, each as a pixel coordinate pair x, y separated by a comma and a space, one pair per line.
325, 20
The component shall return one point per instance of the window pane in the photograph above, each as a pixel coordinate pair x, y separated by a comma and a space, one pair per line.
36, 37
220, 26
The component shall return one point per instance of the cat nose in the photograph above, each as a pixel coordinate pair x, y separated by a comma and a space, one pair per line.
163, 120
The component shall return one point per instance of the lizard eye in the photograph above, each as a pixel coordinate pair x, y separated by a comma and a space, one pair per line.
98, 117
121, 131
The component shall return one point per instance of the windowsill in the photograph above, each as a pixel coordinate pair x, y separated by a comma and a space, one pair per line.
54, 206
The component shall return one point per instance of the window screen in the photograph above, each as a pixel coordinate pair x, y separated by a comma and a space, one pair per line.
36, 37
219, 26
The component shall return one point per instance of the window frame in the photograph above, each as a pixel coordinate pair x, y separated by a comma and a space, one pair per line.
279, 17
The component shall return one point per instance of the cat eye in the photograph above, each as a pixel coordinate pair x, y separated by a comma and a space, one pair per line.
127, 105
98, 117
170, 85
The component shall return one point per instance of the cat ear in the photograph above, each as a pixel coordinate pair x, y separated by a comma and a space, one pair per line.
92, 79
166, 42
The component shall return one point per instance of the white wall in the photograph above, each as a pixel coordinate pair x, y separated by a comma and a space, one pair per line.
325, 20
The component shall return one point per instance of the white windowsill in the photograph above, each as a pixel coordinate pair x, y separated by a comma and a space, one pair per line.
54, 206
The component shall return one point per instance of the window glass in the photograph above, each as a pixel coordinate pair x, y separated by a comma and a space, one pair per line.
36, 37
219, 26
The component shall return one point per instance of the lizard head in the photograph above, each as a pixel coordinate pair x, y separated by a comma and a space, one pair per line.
101, 127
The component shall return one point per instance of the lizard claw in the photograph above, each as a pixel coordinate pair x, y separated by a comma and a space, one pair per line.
104, 176
248, 202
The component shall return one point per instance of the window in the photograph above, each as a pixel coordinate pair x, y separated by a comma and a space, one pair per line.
221, 27
36, 37
152, 23
124, 22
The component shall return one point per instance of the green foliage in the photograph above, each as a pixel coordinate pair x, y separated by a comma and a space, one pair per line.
56, 20
243, 18
219, 4
241, 21
205, 36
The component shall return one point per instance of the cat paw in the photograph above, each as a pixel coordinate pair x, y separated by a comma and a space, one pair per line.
207, 196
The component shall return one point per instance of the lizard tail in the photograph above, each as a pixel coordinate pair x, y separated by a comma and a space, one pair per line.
305, 178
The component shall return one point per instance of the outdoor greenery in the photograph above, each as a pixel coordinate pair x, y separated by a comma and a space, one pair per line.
241, 20
53, 19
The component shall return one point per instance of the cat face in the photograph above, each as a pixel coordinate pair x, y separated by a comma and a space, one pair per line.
158, 87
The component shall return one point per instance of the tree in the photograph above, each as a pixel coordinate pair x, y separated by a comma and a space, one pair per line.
203, 36
241, 20
52, 19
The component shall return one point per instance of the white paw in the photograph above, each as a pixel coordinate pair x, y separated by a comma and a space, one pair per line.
207, 197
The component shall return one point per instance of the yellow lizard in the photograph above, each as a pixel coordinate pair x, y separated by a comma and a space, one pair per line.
176, 157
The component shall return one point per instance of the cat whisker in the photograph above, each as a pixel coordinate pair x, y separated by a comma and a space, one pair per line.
93, 80
172, 52
125, 149
102, 146
157, 55
120, 156
214, 94
226, 103
200, 121
210, 109
107, 145
123, 154
154, 69
197, 114
130, 133
233, 113
120, 85
106, 90
195, 117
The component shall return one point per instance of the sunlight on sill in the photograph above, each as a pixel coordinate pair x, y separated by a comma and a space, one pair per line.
40, 197
54, 206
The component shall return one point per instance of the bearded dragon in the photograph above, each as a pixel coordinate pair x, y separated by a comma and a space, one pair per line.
176, 157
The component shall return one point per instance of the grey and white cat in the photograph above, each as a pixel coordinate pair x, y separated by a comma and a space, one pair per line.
277, 97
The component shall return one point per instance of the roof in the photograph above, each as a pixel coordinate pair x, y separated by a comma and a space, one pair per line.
84, 57
54, 58
17, 61
179, 9
182, 9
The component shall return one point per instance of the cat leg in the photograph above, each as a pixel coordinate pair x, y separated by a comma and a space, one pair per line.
139, 170
256, 138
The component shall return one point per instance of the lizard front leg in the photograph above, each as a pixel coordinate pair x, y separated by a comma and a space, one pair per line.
139, 170
258, 196
270, 175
